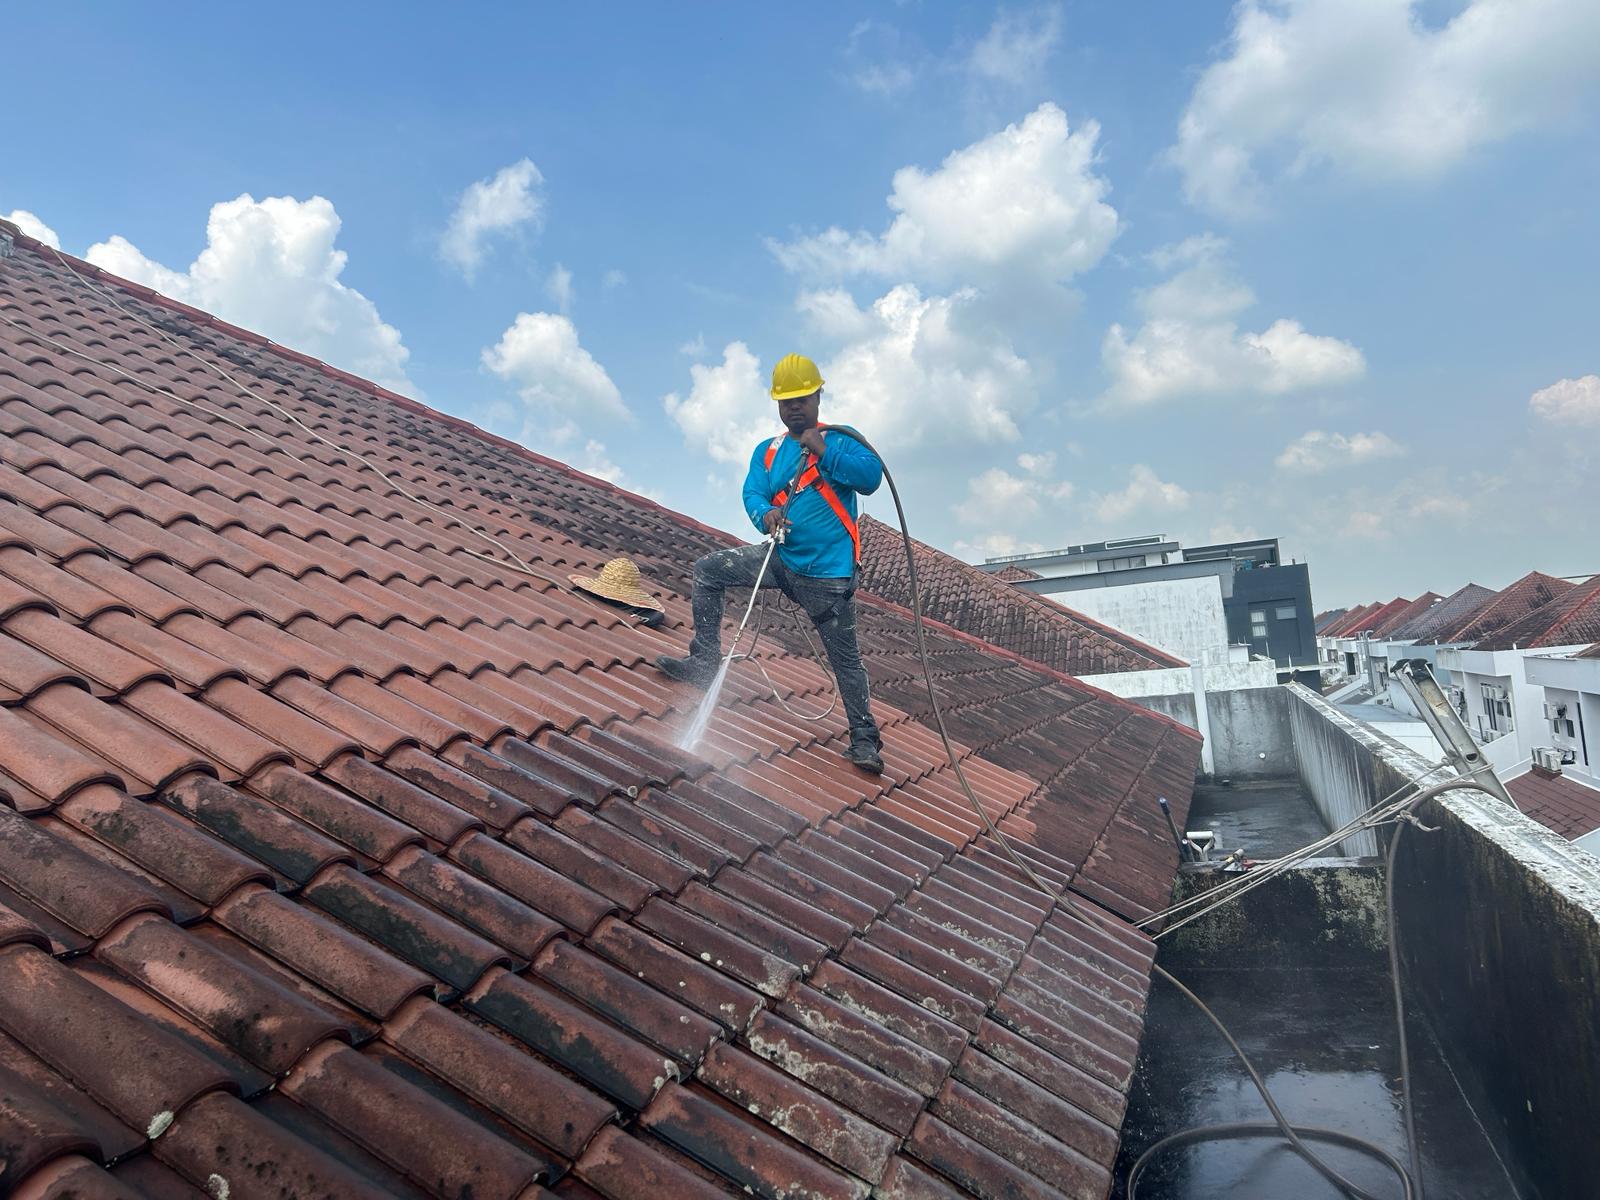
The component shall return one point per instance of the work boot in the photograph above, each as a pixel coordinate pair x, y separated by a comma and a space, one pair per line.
694, 670
864, 754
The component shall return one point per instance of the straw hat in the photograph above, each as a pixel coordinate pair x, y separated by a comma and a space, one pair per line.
618, 580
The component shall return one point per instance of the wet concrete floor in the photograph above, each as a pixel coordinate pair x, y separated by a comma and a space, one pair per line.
1324, 1040
1268, 818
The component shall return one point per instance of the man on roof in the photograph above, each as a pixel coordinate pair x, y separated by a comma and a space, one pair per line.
818, 559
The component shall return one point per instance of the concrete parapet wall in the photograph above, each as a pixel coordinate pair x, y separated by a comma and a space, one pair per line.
1324, 913
1250, 736
1220, 677
1499, 923
1339, 761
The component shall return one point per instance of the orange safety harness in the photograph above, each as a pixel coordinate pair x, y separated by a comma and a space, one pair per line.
810, 475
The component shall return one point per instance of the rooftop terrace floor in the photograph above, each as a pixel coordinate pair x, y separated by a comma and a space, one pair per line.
1324, 1041
1323, 1038
1267, 817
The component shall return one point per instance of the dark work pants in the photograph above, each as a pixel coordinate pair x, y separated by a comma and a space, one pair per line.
829, 603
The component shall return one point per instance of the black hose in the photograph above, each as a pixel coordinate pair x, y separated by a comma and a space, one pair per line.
1400, 1012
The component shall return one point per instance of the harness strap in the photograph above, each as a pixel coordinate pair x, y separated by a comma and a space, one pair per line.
812, 476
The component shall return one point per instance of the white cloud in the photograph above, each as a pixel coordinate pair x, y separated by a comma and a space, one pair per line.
694, 347
917, 375
1367, 88
1190, 343
727, 410
831, 313
489, 207
33, 227
613, 279
995, 545
271, 266
555, 376
558, 286
1146, 493
1017, 46
1318, 450
1022, 203
1568, 401
999, 497
880, 60
1227, 531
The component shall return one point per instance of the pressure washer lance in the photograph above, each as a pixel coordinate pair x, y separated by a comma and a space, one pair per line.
708, 703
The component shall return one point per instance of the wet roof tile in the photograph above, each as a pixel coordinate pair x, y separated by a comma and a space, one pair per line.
315, 792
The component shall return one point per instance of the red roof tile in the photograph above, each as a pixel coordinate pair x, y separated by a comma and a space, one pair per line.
1013, 573
1349, 621
1451, 610
299, 788
1388, 623
1528, 594
986, 606
1371, 618
1572, 619
1557, 802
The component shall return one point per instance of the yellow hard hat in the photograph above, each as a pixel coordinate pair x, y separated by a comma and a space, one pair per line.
795, 375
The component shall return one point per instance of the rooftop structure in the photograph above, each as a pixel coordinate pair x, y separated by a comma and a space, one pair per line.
1217, 605
329, 815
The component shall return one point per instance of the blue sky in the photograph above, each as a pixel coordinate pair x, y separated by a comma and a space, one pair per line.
1323, 270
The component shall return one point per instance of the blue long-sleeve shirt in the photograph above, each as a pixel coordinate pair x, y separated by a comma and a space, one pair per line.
817, 544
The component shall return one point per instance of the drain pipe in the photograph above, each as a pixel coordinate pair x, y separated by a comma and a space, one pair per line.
1202, 717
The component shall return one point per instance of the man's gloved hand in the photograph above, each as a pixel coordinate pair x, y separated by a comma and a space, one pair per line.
811, 439
773, 520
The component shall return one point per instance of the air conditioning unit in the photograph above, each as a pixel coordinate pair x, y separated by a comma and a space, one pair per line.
1554, 712
1568, 756
1456, 696
1547, 758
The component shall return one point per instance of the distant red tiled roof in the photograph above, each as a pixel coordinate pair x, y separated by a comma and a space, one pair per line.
1557, 802
1351, 621
1012, 573
1453, 609
1326, 620
1533, 591
353, 863
1374, 621
1571, 620
1394, 620
1592, 652
978, 603
1332, 628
